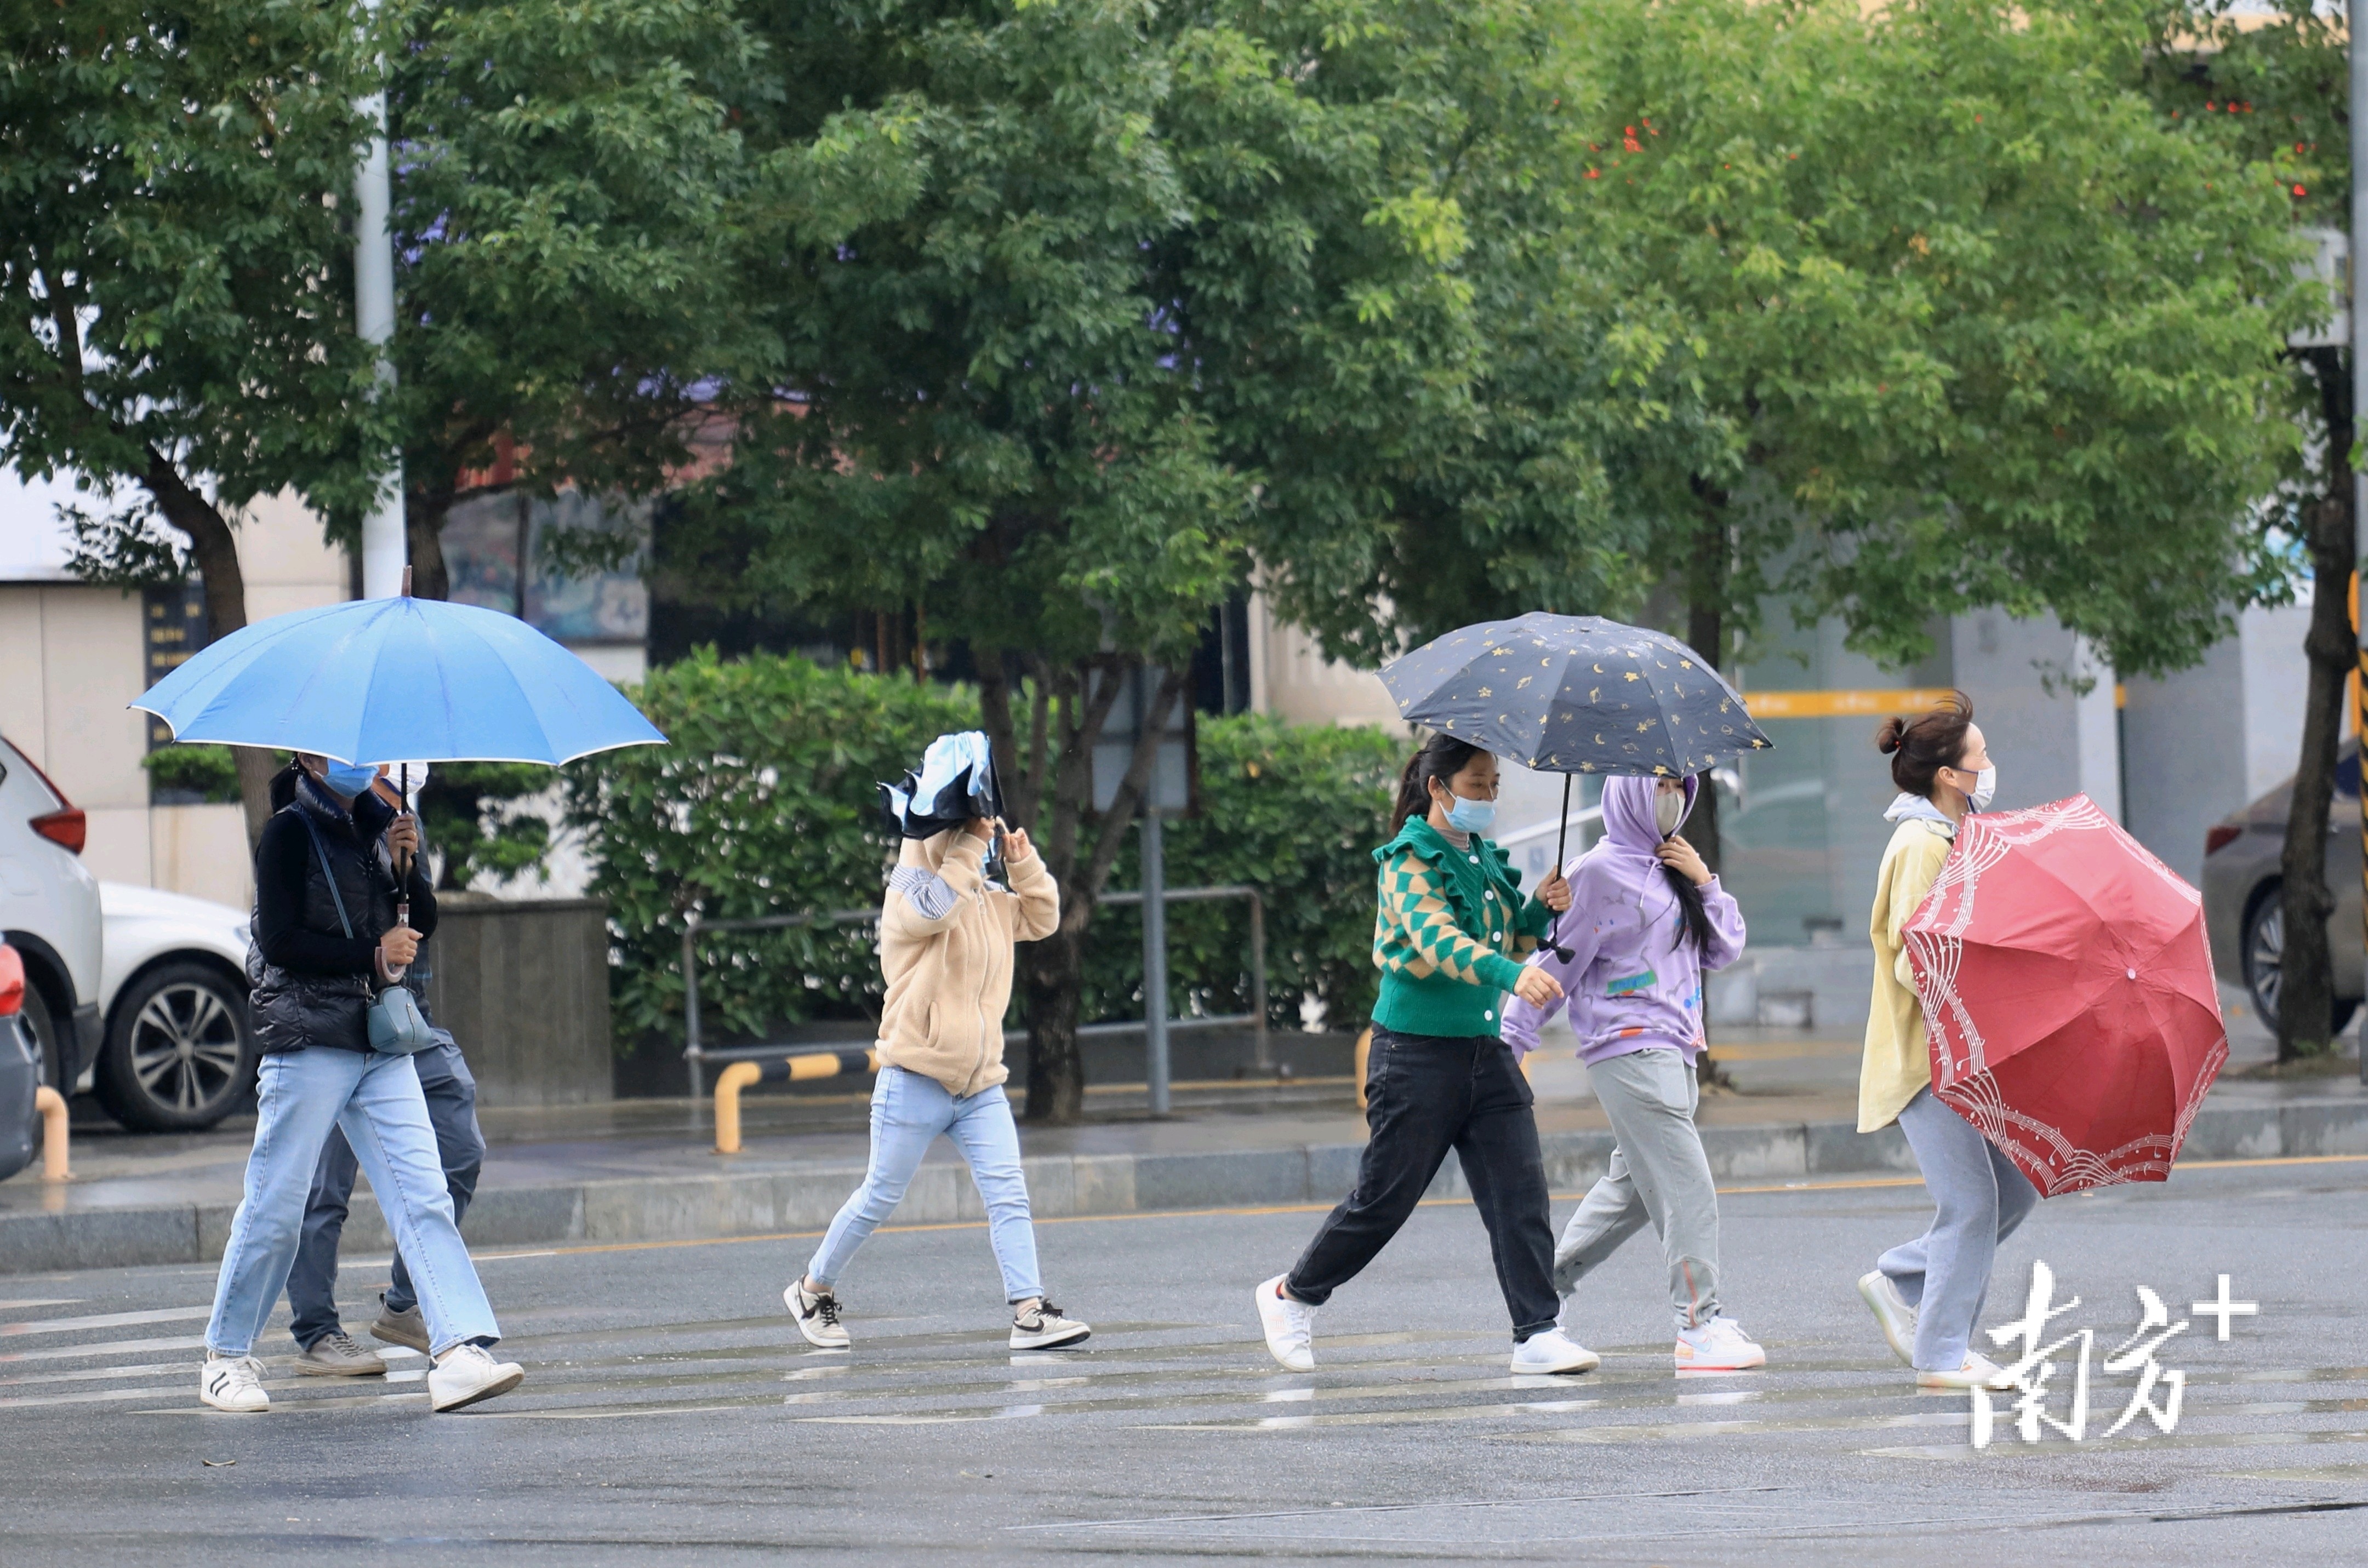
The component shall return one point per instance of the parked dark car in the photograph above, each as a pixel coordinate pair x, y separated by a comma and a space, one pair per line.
20, 1070
2242, 884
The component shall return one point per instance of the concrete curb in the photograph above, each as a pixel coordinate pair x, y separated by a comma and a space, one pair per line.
727, 1204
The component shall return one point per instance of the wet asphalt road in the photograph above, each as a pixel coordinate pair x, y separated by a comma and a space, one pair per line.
671, 1412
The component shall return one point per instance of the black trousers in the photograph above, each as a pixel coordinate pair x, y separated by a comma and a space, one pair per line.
1425, 1094
452, 1091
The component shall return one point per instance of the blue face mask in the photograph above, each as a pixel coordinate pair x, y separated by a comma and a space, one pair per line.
1471, 816
347, 778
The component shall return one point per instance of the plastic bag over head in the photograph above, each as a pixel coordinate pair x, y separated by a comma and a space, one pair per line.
955, 782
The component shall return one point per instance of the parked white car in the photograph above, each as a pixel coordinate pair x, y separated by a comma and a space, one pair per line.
177, 1054
49, 913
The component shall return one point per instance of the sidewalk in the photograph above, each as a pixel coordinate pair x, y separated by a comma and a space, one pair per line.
643, 1170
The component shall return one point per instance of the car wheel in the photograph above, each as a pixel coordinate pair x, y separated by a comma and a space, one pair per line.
2265, 947
178, 1054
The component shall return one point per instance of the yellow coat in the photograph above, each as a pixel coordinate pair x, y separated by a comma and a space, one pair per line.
1897, 1061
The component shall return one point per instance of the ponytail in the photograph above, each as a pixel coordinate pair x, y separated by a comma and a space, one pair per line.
1442, 757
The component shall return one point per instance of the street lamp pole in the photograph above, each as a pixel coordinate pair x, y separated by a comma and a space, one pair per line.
385, 551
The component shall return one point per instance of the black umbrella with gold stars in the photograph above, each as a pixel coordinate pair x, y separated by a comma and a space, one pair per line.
1575, 694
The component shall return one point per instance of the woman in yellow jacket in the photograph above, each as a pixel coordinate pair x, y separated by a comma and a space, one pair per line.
1927, 1293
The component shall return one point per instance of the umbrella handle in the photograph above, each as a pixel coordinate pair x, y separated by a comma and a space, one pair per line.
1562, 841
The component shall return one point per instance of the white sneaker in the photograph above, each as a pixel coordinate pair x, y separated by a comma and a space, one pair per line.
466, 1374
818, 1314
1718, 1346
1553, 1351
1038, 1325
233, 1383
1892, 1311
1979, 1371
1290, 1327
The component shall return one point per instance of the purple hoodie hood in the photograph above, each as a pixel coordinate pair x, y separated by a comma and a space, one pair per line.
1628, 825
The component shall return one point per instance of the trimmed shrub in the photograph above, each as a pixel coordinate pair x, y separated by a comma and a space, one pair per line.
764, 804
1295, 810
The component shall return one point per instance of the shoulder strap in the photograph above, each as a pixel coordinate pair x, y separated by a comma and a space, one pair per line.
328, 874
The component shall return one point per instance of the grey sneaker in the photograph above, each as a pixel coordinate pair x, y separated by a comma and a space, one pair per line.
405, 1327
335, 1354
1038, 1325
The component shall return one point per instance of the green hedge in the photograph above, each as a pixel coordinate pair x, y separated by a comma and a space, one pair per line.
766, 804
1295, 810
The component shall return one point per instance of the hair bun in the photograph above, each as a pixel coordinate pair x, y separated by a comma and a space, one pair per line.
1887, 735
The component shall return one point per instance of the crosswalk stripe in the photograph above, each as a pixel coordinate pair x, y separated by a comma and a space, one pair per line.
1152, 1376
103, 1320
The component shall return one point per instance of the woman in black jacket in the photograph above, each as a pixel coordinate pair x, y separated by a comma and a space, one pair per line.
335, 923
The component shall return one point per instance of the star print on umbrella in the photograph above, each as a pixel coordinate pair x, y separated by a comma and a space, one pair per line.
1575, 694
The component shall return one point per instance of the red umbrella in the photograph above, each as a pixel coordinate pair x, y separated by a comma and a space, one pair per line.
2068, 995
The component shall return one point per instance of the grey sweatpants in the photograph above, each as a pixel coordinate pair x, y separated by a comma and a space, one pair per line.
1979, 1197
1658, 1173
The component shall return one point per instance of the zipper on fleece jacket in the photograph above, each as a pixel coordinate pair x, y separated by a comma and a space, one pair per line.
978, 1003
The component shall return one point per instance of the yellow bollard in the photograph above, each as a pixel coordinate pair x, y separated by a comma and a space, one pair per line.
1364, 1050
728, 1084
53, 1107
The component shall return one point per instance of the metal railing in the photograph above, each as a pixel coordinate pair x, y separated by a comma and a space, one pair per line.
696, 1055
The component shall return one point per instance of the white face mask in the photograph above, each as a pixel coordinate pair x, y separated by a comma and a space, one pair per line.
1985, 789
1668, 811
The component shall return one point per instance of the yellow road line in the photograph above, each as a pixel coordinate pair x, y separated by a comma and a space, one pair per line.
1253, 1210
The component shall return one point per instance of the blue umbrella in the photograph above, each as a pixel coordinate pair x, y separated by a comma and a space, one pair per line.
377, 680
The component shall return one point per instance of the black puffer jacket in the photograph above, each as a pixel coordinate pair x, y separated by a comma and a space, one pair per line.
312, 983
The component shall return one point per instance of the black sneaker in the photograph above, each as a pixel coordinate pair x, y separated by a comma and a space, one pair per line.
1042, 1326
818, 1315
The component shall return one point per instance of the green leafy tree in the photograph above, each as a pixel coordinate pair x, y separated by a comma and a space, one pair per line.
569, 195
177, 279
1180, 291
2271, 87
1928, 307
471, 815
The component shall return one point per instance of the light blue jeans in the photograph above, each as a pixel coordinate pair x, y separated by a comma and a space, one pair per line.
1979, 1197
908, 1111
300, 1096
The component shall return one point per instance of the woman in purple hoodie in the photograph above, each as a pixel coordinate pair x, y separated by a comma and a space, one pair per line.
1647, 921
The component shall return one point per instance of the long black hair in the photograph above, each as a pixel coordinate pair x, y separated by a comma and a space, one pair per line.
1694, 919
1442, 757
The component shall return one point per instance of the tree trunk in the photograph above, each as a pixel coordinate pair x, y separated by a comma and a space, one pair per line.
1706, 584
2306, 971
215, 548
1048, 787
1055, 975
422, 528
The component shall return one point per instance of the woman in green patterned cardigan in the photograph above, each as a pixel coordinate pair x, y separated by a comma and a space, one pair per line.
1449, 938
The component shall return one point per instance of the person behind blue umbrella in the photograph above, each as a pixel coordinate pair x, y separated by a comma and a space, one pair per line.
328, 935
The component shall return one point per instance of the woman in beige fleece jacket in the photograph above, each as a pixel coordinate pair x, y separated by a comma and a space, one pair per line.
946, 941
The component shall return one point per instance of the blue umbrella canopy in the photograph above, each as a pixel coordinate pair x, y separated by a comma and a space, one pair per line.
1575, 694
379, 680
